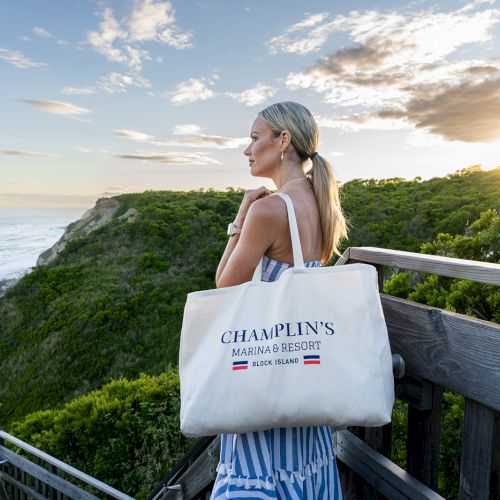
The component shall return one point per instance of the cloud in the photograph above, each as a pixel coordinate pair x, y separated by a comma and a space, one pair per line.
392, 50
187, 135
468, 112
57, 107
117, 82
102, 40
394, 56
211, 141
42, 33
309, 42
253, 96
186, 128
81, 149
482, 70
112, 83
172, 158
190, 91
148, 21
78, 90
362, 121
20, 152
152, 21
134, 135
476, 3
19, 60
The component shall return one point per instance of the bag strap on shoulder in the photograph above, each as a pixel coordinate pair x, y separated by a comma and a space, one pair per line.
298, 258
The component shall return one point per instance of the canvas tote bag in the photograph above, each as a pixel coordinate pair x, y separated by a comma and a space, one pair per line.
308, 349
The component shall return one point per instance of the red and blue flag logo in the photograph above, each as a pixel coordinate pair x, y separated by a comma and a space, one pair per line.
240, 365
312, 359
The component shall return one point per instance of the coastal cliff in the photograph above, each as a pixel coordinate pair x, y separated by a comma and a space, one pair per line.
92, 219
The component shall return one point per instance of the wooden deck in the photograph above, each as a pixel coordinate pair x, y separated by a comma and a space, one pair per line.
441, 350
42, 476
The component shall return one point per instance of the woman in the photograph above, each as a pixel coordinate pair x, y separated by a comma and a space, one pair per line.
296, 462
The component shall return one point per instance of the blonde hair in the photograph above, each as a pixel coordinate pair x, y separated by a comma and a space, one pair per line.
303, 129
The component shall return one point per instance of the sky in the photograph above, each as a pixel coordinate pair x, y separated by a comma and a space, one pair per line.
105, 97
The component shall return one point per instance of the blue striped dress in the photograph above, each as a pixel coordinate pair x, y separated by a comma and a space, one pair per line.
284, 463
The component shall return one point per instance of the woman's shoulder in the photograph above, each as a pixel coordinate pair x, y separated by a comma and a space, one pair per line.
270, 207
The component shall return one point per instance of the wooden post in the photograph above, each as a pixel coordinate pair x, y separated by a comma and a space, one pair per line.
379, 438
495, 459
424, 428
3, 491
477, 444
352, 484
380, 272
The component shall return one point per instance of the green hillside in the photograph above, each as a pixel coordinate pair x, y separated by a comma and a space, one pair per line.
110, 305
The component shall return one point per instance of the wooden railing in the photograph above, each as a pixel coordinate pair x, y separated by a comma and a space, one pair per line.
45, 476
441, 350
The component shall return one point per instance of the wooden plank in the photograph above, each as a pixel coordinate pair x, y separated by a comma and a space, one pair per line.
477, 440
377, 470
3, 491
64, 467
17, 492
415, 391
50, 491
22, 487
201, 473
42, 474
23, 481
452, 350
184, 462
495, 459
424, 429
482, 272
353, 486
379, 438
344, 258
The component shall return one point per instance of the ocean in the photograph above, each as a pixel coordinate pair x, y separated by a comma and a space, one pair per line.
27, 232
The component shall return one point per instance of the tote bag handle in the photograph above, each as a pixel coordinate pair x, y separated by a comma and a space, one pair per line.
298, 259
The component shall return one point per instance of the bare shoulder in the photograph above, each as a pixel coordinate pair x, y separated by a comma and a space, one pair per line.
270, 208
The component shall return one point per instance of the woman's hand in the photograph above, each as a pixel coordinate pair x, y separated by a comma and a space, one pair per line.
248, 198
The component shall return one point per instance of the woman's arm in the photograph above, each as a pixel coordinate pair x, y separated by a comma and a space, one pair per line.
242, 256
248, 198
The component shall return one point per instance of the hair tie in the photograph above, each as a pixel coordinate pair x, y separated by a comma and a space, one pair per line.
313, 155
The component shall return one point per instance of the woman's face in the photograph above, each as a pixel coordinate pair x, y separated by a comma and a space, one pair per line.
264, 151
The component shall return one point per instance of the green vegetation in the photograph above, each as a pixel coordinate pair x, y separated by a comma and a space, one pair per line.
400, 214
481, 241
126, 434
110, 307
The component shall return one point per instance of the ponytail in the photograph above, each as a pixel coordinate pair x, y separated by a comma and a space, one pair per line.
333, 221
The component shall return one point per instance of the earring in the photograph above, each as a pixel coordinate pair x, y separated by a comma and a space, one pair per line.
282, 156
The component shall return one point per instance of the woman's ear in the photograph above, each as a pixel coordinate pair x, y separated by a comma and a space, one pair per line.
286, 139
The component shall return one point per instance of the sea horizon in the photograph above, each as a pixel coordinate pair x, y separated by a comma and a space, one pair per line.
26, 232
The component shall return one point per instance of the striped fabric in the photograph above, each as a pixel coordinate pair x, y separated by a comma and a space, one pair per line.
285, 463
